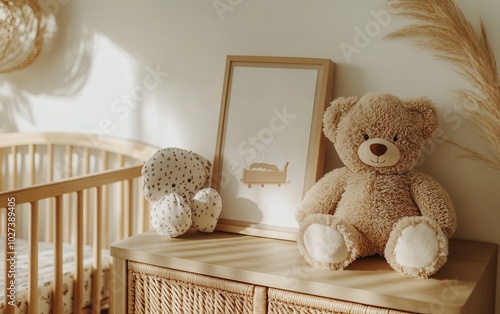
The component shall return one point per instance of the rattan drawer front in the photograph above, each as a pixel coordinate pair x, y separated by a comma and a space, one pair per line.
280, 301
153, 289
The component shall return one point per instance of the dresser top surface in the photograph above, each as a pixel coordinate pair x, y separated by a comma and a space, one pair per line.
278, 264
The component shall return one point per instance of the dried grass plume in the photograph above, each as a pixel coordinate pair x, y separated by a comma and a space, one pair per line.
443, 28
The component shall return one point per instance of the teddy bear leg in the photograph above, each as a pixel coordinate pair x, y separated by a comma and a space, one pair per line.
171, 216
206, 205
417, 247
328, 242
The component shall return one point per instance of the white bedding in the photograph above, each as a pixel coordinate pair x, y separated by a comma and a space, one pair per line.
45, 275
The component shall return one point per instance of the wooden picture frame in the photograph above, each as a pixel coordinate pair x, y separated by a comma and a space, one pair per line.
270, 146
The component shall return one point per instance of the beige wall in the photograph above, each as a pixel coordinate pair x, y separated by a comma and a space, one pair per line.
153, 71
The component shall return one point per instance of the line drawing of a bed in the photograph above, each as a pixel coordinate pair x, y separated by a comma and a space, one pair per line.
266, 164
257, 174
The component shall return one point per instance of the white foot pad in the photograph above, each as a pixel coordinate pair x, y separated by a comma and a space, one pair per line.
325, 244
417, 246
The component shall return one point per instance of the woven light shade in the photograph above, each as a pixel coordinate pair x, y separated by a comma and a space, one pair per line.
20, 34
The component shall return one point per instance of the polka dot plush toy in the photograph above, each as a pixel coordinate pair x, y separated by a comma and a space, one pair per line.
177, 182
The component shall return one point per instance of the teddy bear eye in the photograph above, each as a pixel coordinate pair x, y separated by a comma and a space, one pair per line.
395, 138
365, 136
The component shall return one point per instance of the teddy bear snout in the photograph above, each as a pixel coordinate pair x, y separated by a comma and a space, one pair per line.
378, 149
378, 152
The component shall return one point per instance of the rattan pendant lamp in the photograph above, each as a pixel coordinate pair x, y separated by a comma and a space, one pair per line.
21, 33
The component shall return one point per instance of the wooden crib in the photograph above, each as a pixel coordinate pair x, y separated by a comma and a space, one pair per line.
71, 190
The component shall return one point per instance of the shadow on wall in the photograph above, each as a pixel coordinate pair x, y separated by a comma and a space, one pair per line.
64, 64
60, 69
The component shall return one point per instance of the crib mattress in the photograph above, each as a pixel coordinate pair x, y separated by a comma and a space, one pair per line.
46, 274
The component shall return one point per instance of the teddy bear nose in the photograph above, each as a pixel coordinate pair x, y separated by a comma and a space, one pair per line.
378, 149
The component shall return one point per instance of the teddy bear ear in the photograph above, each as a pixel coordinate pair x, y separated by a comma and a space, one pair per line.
428, 112
332, 115
207, 167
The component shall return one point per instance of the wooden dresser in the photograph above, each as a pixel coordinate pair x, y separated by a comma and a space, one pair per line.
231, 273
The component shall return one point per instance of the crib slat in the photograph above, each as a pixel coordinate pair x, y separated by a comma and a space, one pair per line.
105, 215
86, 196
78, 289
86, 217
146, 212
119, 202
130, 207
104, 160
96, 277
124, 209
31, 167
86, 160
112, 300
13, 151
105, 197
33, 244
69, 161
141, 217
57, 301
49, 215
49, 220
69, 212
50, 162
143, 210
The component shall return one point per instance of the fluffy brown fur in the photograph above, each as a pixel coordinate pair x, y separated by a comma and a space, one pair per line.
369, 201
444, 29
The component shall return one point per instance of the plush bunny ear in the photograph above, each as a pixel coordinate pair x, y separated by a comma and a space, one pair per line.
428, 113
332, 115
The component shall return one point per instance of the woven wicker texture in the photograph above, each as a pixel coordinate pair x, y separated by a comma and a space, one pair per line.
21, 33
153, 289
280, 301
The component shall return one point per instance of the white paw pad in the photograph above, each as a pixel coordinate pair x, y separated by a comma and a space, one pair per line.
325, 244
417, 246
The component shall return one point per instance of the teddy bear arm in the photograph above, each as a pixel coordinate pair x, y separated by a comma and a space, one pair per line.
434, 202
171, 216
325, 194
206, 205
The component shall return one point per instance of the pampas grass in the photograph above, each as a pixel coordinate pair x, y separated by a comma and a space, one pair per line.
443, 28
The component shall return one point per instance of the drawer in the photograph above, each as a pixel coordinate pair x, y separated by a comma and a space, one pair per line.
281, 301
153, 289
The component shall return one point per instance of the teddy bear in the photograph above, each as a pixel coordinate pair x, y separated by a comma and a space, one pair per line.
177, 182
377, 203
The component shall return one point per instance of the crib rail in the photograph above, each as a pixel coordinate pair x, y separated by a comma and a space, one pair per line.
9, 200
33, 158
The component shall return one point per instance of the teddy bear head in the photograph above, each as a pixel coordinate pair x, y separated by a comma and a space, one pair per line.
380, 132
174, 170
